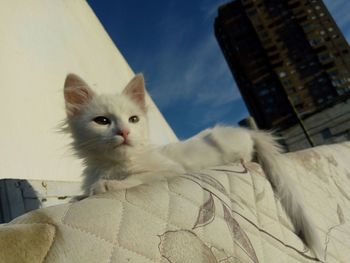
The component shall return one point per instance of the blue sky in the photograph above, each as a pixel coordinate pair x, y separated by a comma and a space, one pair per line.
173, 44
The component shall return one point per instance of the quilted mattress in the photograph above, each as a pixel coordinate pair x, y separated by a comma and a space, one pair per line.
223, 214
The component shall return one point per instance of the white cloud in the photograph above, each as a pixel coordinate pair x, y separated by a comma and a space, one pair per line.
200, 73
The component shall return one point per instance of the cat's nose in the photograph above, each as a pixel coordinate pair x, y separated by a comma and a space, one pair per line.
123, 133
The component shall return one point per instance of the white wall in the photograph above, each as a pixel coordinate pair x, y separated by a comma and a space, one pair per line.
40, 42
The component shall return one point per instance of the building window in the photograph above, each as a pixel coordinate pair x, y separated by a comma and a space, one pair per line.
333, 74
312, 63
282, 74
287, 82
315, 41
264, 92
339, 82
291, 90
340, 92
325, 57
296, 100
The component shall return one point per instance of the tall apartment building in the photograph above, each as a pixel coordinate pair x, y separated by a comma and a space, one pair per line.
289, 58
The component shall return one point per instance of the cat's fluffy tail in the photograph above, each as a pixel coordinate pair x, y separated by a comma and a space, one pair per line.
271, 159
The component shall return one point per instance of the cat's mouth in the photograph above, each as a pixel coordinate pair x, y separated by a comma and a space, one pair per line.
124, 143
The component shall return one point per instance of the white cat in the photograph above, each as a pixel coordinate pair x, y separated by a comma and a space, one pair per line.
110, 133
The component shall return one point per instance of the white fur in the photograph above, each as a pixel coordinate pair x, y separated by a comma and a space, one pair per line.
108, 162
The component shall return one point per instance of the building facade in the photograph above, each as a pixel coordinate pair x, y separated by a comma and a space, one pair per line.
289, 58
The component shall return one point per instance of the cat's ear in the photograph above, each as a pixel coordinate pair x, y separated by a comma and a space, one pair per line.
76, 94
135, 90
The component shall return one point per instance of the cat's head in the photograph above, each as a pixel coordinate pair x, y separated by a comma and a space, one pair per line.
105, 126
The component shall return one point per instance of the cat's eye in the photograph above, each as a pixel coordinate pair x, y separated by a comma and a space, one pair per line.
102, 120
134, 119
